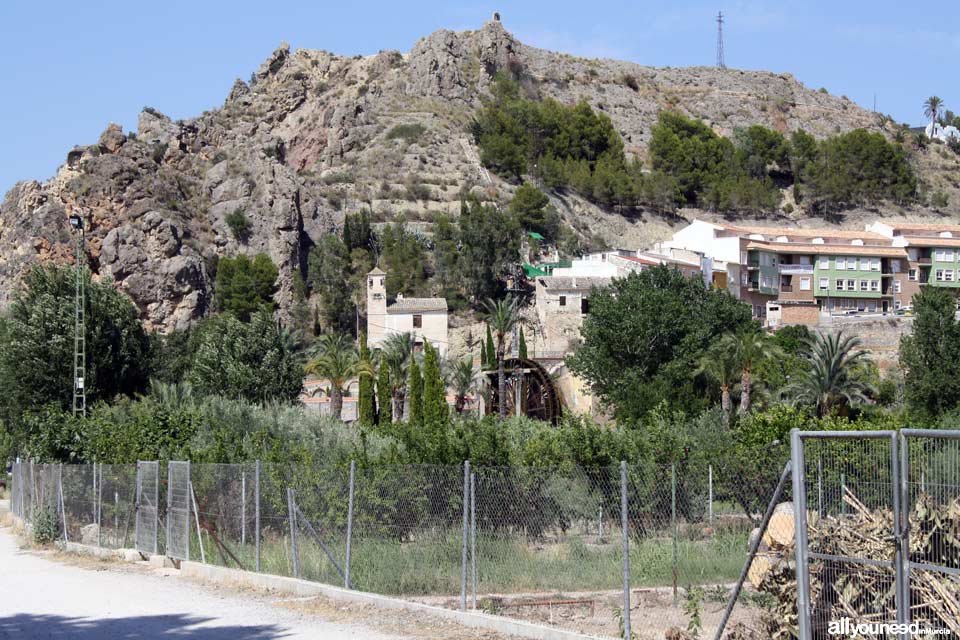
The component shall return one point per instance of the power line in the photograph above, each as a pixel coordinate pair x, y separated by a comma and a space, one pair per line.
720, 61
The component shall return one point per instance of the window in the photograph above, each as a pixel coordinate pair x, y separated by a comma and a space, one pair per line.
804, 284
874, 264
563, 301
874, 285
766, 282
824, 262
805, 260
912, 274
417, 321
896, 286
863, 285
841, 263
851, 285
864, 264
824, 283
851, 264
584, 306
912, 255
948, 275
896, 304
944, 255
939, 275
839, 285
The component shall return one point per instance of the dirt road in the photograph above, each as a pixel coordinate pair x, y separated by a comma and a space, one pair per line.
42, 599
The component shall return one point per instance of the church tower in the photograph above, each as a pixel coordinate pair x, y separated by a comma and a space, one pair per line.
376, 306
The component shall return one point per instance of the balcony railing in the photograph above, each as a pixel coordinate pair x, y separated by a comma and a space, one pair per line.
786, 288
796, 268
927, 260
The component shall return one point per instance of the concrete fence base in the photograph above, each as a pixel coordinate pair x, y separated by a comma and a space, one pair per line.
303, 588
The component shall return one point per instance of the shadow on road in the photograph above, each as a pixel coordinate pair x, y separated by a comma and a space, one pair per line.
28, 627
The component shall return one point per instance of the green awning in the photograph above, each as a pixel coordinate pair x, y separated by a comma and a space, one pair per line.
535, 235
532, 272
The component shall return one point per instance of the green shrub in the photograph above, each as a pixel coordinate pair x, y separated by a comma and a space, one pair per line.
158, 152
46, 525
409, 133
240, 225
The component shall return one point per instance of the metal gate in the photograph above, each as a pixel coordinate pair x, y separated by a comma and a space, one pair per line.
847, 498
178, 510
145, 531
930, 486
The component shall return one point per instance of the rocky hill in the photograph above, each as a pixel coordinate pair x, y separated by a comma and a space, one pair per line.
313, 135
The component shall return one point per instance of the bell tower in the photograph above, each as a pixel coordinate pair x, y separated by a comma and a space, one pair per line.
376, 306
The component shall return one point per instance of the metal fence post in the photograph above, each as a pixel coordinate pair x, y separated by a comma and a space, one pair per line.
673, 525
902, 599
256, 516
63, 509
473, 537
243, 507
100, 507
346, 564
800, 526
156, 510
710, 495
466, 514
625, 528
905, 522
293, 533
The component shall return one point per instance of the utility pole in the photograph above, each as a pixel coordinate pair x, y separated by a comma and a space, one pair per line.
720, 61
79, 325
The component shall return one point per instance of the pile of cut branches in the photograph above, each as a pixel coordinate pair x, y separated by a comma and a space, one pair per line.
859, 591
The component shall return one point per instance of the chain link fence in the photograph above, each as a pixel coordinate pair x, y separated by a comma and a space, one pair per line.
554, 546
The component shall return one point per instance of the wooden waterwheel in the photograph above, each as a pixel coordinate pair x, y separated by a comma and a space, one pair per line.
529, 392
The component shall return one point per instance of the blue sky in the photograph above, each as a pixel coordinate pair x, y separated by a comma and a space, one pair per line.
69, 68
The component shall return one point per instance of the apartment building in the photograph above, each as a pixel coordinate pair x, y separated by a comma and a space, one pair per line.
932, 253
793, 275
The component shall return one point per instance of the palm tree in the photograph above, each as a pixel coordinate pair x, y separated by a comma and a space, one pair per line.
750, 347
464, 381
336, 359
502, 316
831, 378
932, 107
396, 351
720, 364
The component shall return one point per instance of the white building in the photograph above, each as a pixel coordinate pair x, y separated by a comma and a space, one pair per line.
425, 318
941, 133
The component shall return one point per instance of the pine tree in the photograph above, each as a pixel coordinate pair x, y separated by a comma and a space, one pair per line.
416, 394
483, 354
435, 411
384, 399
523, 345
491, 362
366, 409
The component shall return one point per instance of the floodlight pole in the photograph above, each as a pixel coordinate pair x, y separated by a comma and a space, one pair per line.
79, 325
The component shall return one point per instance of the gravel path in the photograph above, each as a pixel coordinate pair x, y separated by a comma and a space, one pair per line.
42, 599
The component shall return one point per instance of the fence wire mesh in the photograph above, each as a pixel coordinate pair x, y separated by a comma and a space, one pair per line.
179, 498
932, 516
539, 544
148, 481
851, 498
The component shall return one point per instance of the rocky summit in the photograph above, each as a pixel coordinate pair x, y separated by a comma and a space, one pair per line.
313, 135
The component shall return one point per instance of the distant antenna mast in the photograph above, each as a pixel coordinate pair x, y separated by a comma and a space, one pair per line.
720, 61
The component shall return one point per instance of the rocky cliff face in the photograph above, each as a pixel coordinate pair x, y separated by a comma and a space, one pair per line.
312, 135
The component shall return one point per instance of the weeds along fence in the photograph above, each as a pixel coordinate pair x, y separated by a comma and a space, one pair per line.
572, 547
